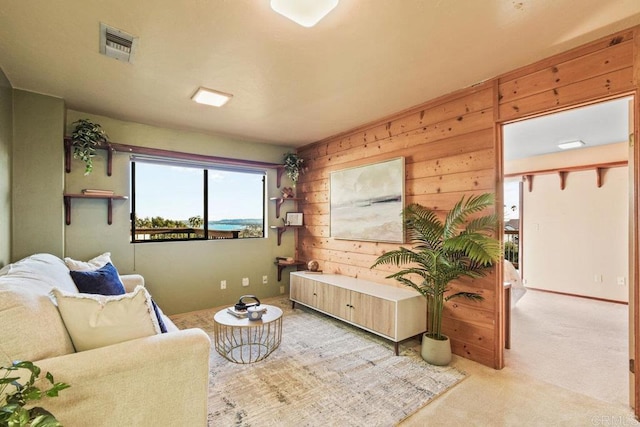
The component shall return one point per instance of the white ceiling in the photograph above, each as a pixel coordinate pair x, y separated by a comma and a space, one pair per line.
292, 85
599, 124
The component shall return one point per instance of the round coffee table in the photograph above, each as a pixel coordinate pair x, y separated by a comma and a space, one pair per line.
241, 340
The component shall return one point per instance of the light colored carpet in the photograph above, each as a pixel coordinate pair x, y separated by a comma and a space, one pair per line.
576, 343
325, 373
506, 398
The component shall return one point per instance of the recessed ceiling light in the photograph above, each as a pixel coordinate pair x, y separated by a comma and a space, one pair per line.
570, 144
211, 97
304, 12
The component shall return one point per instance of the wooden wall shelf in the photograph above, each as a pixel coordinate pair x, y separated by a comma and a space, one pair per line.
109, 199
282, 229
599, 168
280, 201
68, 149
133, 149
280, 262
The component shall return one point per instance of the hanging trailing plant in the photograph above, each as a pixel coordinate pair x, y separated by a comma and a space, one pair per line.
293, 166
85, 138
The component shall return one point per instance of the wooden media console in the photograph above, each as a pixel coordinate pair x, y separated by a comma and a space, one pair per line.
393, 313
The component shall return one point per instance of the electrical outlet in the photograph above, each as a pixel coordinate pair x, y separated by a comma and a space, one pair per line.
621, 281
223, 284
597, 278
245, 281
265, 280
282, 289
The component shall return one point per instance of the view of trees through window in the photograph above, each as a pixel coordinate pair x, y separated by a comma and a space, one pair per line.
170, 203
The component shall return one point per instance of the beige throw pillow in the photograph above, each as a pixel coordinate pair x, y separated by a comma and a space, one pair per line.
95, 321
91, 265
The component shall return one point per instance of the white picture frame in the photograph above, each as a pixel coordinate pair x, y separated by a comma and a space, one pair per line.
294, 219
366, 202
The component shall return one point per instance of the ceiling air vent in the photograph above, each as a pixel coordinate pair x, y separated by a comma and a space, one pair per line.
117, 44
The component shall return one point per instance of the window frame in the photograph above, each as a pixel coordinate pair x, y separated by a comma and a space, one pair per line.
205, 167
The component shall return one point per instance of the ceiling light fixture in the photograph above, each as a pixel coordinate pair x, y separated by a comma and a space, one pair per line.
570, 144
211, 97
304, 12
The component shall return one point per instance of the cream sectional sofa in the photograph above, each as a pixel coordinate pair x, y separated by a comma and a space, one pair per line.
157, 380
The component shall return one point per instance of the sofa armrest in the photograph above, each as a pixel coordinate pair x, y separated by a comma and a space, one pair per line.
130, 281
157, 380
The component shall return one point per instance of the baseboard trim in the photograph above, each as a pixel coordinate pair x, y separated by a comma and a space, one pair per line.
577, 296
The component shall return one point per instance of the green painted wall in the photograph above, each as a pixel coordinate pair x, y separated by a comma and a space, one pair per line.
181, 276
6, 136
37, 166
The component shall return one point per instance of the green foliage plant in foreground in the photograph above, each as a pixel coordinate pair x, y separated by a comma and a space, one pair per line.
15, 397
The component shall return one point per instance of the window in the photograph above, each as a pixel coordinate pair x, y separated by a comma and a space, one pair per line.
174, 200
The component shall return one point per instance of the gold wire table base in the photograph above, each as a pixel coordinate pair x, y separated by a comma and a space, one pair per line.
247, 341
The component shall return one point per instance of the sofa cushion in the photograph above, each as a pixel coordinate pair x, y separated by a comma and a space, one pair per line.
106, 281
31, 325
42, 272
95, 321
92, 264
103, 281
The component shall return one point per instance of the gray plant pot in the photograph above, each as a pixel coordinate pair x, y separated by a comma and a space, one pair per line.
436, 352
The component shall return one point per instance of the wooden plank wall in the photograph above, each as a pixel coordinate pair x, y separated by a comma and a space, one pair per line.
452, 147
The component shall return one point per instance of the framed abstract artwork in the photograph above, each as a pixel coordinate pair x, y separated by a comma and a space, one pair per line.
366, 202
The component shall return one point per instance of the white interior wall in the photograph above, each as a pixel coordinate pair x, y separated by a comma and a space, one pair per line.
576, 240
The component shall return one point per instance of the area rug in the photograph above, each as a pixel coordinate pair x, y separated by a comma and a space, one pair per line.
325, 373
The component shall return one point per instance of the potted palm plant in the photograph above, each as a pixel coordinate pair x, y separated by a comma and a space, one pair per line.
444, 251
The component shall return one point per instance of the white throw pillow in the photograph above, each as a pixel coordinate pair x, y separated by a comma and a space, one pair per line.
95, 321
91, 265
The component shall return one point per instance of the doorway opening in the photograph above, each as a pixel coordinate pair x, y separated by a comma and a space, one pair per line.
572, 252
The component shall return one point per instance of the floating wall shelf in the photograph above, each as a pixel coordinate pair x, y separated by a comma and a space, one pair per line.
282, 230
280, 200
109, 199
599, 168
282, 264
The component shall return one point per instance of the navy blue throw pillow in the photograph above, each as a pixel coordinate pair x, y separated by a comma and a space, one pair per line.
163, 327
104, 281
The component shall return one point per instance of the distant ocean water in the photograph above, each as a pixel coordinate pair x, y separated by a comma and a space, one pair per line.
226, 227
233, 225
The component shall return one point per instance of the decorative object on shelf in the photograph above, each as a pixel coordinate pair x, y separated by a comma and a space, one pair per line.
313, 265
88, 191
287, 193
16, 396
85, 138
294, 219
242, 305
374, 211
256, 312
443, 252
293, 167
